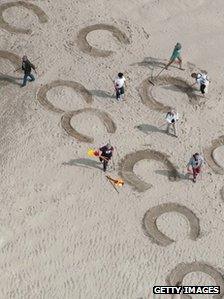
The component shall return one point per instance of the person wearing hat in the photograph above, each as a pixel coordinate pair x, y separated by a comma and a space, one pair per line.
171, 119
202, 80
27, 66
106, 153
119, 83
175, 55
195, 163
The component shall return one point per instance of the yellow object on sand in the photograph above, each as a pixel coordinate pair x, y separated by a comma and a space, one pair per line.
90, 152
117, 182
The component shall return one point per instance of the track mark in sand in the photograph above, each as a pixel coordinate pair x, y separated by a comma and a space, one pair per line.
181, 270
149, 100
85, 47
209, 155
126, 168
151, 216
103, 116
42, 93
35, 9
222, 193
13, 58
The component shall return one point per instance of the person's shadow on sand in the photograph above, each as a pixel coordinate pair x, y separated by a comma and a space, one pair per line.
167, 173
146, 128
102, 94
83, 162
9, 79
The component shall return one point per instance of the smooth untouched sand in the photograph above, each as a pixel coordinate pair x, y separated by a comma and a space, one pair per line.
64, 230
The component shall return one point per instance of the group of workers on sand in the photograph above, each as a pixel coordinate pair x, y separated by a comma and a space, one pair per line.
106, 152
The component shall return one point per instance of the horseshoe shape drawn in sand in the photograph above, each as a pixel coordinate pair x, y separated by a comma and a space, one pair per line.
85, 47
42, 93
13, 58
151, 216
177, 275
36, 10
103, 116
209, 155
127, 165
149, 100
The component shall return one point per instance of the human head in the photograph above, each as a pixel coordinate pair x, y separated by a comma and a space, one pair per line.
196, 155
109, 145
24, 58
178, 46
194, 75
120, 75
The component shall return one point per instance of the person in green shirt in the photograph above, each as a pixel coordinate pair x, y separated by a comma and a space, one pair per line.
175, 55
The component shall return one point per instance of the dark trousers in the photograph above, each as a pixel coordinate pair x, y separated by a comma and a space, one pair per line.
119, 92
25, 78
202, 88
105, 163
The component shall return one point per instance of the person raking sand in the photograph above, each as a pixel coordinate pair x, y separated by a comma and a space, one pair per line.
175, 55
105, 154
202, 80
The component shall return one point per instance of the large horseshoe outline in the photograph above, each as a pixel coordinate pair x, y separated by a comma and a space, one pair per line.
126, 167
149, 100
209, 155
85, 47
43, 18
103, 116
181, 270
42, 93
151, 216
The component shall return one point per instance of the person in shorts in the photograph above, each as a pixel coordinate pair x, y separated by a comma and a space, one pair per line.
202, 80
175, 55
195, 163
119, 86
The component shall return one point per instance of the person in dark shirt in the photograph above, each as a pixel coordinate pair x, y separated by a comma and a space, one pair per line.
27, 66
106, 153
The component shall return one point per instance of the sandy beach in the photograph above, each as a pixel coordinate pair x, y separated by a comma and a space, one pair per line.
65, 232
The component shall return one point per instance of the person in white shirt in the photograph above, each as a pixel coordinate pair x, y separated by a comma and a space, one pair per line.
202, 80
171, 118
119, 83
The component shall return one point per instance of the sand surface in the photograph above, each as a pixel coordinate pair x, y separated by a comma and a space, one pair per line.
64, 231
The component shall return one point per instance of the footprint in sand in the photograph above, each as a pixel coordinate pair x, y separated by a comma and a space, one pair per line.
214, 155
181, 270
151, 216
126, 168
85, 47
35, 9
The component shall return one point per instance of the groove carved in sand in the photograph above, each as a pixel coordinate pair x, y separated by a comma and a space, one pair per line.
222, 193
209, 155
126, 168
177, 275
87, 48
151, 216
149, 100
13, 58
103, 116
35, 9
42, 93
